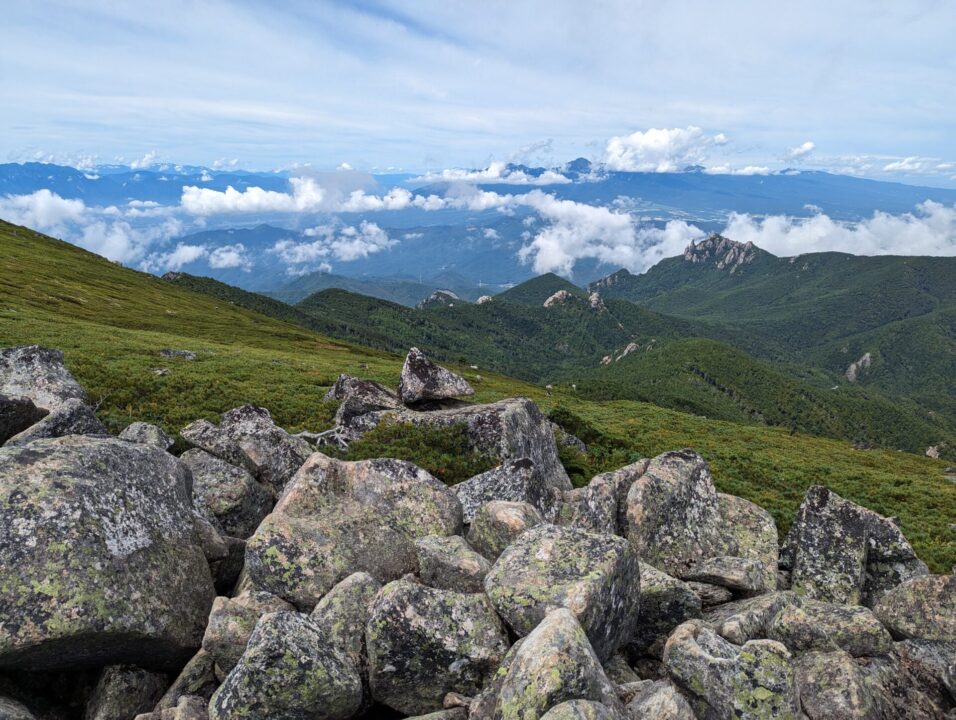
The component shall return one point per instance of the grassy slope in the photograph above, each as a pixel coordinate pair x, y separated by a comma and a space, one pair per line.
111, 322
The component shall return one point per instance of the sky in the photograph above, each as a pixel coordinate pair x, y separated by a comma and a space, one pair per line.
866, 87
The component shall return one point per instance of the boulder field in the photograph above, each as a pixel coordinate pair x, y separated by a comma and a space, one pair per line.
253, 576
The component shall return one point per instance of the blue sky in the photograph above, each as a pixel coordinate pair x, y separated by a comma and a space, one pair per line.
861, 86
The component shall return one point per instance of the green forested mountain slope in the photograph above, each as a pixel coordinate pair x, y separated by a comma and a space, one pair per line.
535, 291
112, 323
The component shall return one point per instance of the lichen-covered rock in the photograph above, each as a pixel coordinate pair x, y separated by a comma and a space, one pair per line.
16, 415
147, 434
276, 454
367, 394
752, 682
814, 625
666, 602
196, 679
513, 481
903, 686
618, 669
753, 532
230, 493
424, 380
336, 518
934, 659
582, 710
423, 643
710, 595
748, 619
923, 608
231, 622
507, 430
108, 565
11, 709
189, 707
71, 417
735, 573
449, 563
343, 613
602, 506
206, 436
841, 552
289, 671
455, 713
673, 519
832, 687
497, 523
659, 700
553, 664
595, 576
38, 373
123, 691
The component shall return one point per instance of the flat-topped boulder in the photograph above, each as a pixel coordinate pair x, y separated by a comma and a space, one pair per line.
148, 434
38, 373
108, 565
424, 380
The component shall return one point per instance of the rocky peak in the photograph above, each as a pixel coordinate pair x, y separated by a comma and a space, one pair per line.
561, 297
596, 302
722, 252
439, 298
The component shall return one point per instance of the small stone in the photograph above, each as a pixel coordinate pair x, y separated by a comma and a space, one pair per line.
496, 524
659, 700
582, 710
147, 434
196, 679
449, 563
424, 380
123, 691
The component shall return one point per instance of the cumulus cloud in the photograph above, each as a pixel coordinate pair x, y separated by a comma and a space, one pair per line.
332, 242
491, 234
801, 151
496, 173
42, 210
230, 256
929, 230
144, 162
747, 170
660, 149
306, 196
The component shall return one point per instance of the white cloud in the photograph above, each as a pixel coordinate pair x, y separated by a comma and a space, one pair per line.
146, 161
910, 165
929, 230
306, 196
496, 173
341, 243
491, 234
205, 177
801, 151
225, 163
660, 149
42, 210
747, 170
230, 256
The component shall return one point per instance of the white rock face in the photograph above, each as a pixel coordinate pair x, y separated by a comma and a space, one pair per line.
856, 368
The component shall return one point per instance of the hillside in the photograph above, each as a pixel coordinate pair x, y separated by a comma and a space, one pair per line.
112, 322
403, 291
535, 291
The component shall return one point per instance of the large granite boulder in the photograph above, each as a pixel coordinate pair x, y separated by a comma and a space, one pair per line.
602, 504
497, 523
843, 553
553, 664
124, 691
147, 434
673, 517
71, 417
596, 576
276, 454
336, 518
752, 682
754, 533
424, 643
448, 563
16, 415
735, 573
206, 436
231, 622
666, 602
513, 481
196, 679
748, 619
923, 608
38, 373
359, 397
289, 671
424, 380
814, 625
231, 494
507, 430
582, 710
659, 700
833, 687
109, 568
